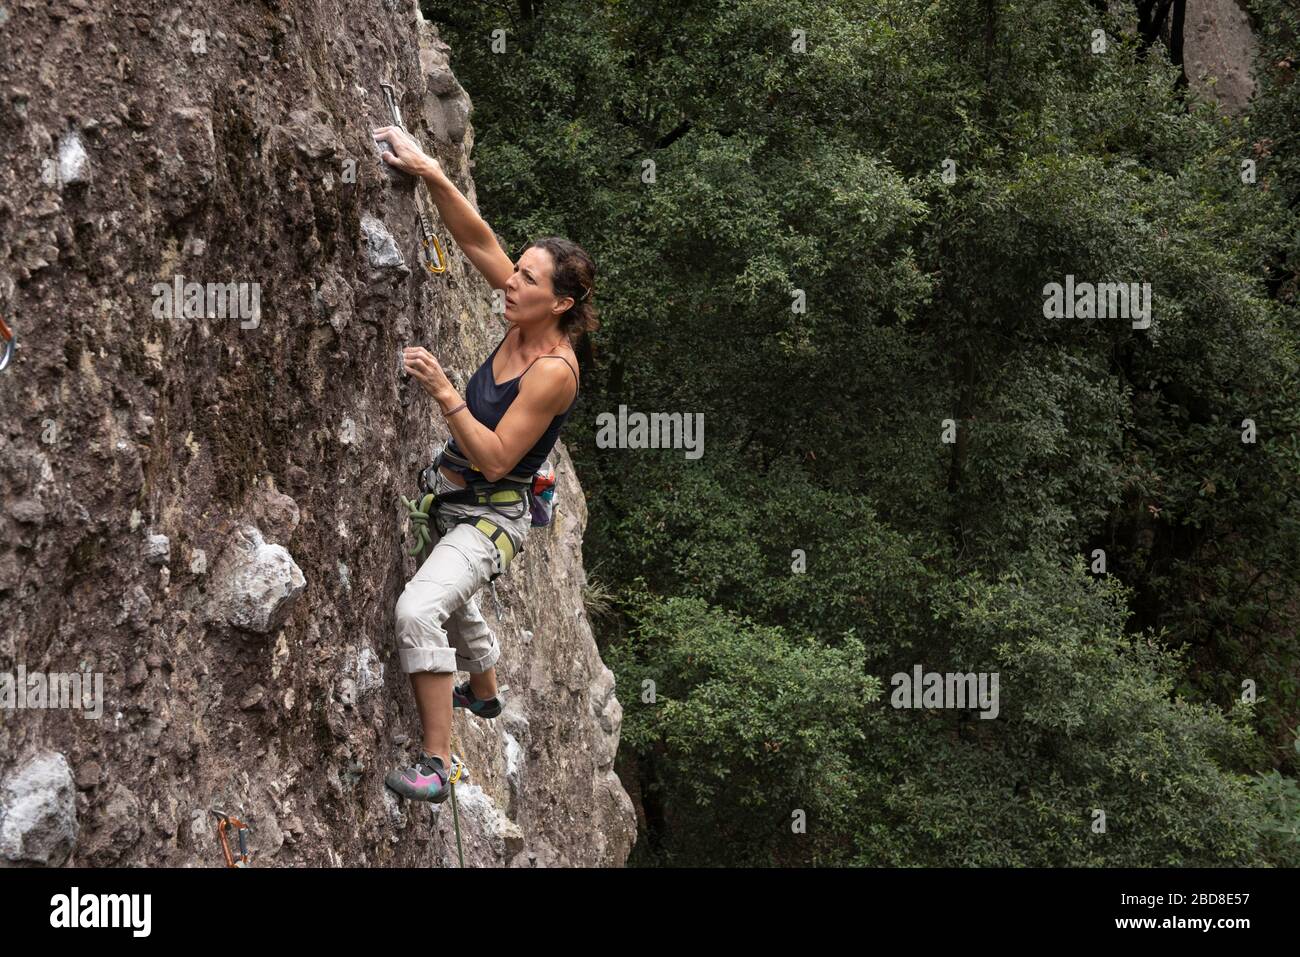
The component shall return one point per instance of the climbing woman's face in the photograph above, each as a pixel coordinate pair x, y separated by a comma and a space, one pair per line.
530, 297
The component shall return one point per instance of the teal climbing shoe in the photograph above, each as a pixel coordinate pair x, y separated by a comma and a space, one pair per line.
463, 697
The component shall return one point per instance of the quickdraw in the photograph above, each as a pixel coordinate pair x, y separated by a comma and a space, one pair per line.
224, 823
435, 264
8, 346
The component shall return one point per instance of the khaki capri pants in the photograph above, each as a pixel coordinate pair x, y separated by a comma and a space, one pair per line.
440, 627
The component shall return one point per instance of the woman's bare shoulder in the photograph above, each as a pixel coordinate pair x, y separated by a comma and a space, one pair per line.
554, 382
571, 358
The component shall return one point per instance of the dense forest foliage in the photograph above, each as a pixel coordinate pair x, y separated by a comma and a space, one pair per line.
830, 226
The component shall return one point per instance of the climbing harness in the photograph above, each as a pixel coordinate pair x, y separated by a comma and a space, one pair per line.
7, 344
540, 485
536, 491
435, 264
462, 465
419, 512
225, 822
508, 492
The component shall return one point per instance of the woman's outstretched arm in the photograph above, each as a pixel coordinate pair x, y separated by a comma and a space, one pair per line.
471, 233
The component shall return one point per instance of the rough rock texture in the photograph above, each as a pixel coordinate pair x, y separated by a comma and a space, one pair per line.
1218, 48
200, 495
38, 815
256, 585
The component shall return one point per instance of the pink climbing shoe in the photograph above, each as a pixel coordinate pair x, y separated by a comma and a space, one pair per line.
426, 780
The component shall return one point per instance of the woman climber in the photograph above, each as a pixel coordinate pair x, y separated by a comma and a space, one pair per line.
506, 425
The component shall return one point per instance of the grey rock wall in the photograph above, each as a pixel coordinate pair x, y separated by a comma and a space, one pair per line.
1218, 49
200, 486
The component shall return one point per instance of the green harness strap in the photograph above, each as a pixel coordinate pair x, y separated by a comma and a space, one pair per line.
498, 536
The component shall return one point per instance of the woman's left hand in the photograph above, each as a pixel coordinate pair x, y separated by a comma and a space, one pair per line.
419, 362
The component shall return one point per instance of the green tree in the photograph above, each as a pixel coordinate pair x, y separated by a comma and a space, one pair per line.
839, 254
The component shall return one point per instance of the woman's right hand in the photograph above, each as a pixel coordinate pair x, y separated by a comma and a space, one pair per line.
406, 154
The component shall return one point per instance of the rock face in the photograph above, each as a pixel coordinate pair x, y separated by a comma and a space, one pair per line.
1218, 49
38, 816
212, 274
257, 587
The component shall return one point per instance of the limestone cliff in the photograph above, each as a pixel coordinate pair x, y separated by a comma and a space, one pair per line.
201, 504
1218, 49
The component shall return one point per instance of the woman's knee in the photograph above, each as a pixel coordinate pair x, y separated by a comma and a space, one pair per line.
421, 603
408, 608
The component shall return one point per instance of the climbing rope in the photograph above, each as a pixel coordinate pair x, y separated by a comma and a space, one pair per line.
419, 518
457, 767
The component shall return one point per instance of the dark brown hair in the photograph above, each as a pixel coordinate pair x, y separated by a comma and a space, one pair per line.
574, 275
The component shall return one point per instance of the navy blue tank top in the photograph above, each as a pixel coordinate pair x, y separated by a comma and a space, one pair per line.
488, 402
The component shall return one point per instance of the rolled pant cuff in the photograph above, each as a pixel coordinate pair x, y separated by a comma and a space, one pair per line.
439, 660
476, 666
